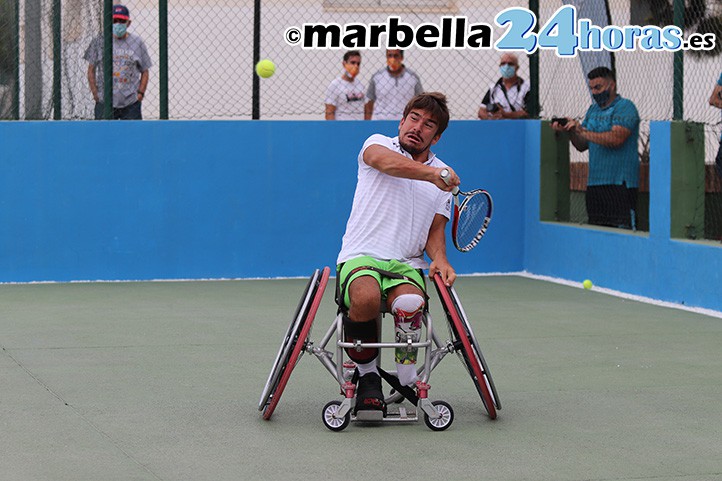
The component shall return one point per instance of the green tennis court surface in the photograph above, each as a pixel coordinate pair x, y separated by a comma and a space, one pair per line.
161, 381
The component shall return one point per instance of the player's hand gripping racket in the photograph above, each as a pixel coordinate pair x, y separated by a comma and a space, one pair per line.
471, 216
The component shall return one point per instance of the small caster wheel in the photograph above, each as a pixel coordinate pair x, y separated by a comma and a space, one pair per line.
443, 422
331, 421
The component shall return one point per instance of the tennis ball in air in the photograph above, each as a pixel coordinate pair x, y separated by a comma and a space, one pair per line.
265, 68
587, 284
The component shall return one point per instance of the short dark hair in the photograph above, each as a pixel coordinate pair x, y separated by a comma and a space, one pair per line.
401, 51
602, 72
435, 104
351, 53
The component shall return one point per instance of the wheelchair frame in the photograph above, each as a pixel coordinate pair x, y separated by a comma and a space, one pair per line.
337, 415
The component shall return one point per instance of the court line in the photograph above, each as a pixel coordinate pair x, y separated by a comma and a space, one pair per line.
603, 290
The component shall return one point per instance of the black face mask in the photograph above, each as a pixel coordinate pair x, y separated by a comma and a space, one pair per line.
601, 98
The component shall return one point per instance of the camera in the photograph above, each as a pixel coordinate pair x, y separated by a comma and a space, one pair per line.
493, 108
560, 120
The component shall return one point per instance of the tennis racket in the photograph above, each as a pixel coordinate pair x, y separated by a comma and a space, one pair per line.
471, 216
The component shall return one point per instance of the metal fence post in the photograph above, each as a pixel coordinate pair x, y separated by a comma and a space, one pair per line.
57, 61
256, 86
107, 59
678, 89
163, 57
16, 67
534, 108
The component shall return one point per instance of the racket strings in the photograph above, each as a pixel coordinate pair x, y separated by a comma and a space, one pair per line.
472, 220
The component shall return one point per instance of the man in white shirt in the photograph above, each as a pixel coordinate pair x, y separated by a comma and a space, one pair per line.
508, 97
400, 210
391, 88
345, 96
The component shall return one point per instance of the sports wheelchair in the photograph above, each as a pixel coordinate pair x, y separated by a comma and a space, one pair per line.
338, 414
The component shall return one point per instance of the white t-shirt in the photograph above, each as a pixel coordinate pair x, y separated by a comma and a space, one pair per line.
516, 96
348, 98
391, 94
391, 216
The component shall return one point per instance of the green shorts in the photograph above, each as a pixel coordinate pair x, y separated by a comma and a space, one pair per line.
385, 283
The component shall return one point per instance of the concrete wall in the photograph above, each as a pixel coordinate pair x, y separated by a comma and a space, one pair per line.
166, 200
652, 265
148, 200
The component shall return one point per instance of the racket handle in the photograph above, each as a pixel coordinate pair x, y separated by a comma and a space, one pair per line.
445, 175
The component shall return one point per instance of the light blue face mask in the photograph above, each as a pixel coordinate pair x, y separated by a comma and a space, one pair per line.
507, 71
119, 29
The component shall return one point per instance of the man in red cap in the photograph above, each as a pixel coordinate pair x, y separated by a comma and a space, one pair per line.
130, 69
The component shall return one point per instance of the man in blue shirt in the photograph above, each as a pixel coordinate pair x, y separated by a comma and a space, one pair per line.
610, 131
716, 101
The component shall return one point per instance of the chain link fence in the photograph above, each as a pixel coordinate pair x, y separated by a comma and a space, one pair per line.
210, 58
648, 80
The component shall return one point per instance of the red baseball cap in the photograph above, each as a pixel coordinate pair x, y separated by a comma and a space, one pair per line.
121, 11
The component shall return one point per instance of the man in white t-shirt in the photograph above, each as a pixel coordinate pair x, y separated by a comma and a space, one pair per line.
345, 96
400, 210
715, 100
391, 88
508, 97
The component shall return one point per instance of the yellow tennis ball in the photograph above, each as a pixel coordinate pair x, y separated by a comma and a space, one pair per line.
587, 284
265, 68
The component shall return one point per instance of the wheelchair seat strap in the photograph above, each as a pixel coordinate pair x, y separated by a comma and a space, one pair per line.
405, 391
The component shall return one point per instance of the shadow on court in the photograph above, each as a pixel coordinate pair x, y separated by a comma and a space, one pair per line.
161, 381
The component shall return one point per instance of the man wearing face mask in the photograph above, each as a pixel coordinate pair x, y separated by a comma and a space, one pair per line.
507, 98
610, 131
715, 100
391, 88
130, 69
345, 96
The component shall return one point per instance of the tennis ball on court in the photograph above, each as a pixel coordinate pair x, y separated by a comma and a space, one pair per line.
265, 68
587, 284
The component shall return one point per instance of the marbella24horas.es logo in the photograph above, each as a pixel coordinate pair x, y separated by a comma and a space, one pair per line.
564, 32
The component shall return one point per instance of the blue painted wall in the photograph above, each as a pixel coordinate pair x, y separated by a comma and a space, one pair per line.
165, 200
152, 200
651, 265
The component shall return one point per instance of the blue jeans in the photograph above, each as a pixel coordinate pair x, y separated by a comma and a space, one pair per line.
131, 112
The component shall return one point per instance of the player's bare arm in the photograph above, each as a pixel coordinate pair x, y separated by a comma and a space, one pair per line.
613, 138
394, 164
368, 110
436, 250
92, 82
330, 112
144, 76
715, 99
516, 114
572, 127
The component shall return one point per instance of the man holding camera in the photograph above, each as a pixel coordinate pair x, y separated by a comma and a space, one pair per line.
507, 98
610, 131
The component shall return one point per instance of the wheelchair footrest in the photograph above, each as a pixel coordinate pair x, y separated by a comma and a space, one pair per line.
397, 413
370, 416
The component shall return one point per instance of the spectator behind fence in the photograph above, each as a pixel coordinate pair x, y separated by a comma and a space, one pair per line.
508, 97
130, 69
391, 88
716, 101
345, 96
610, 131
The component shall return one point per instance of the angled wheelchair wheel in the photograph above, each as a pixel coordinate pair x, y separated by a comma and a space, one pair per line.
476, 348
467, 347
294, 342
331, 419
447, 417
